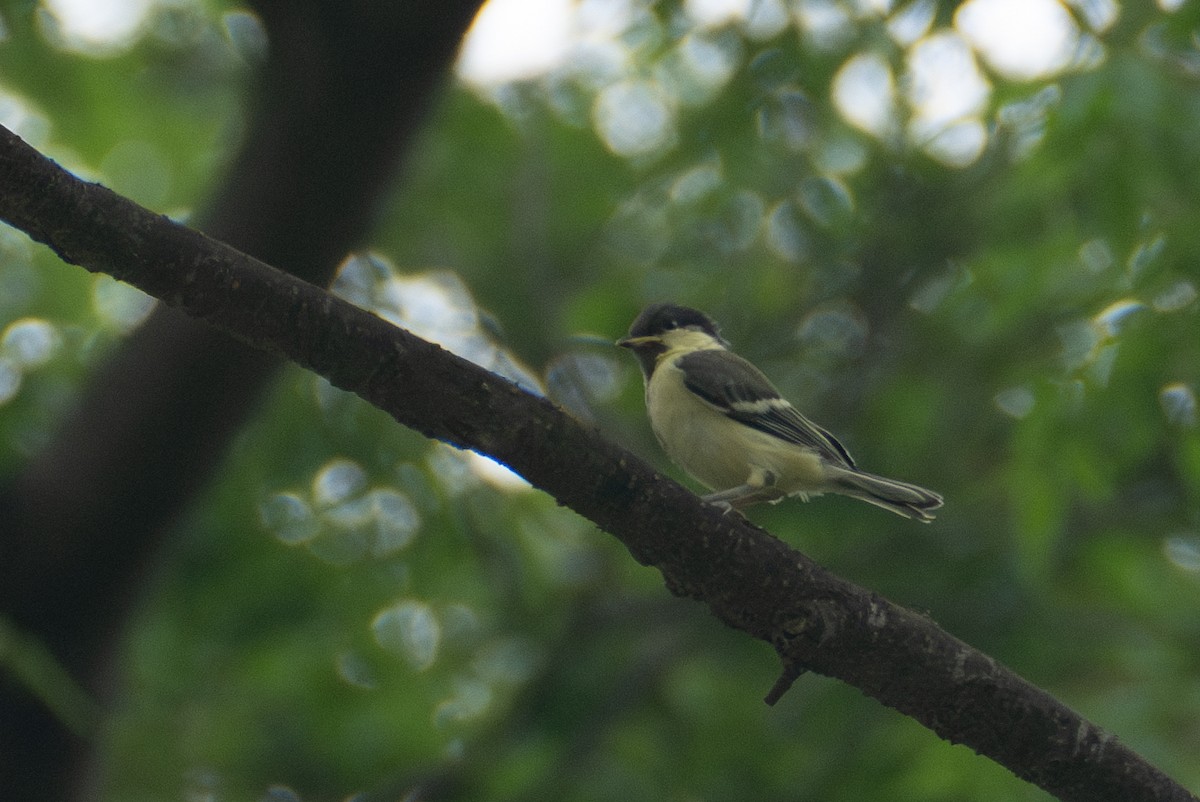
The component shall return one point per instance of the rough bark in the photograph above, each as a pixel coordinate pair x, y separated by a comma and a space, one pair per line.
344, 88
749, 579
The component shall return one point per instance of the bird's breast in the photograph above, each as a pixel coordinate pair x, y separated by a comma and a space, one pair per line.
716, 450
697, 437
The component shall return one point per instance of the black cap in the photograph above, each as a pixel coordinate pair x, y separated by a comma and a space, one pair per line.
658, 318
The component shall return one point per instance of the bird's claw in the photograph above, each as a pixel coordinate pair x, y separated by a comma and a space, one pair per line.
724, 506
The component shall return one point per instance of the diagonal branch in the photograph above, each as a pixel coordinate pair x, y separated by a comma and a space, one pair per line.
337, 103
750, 580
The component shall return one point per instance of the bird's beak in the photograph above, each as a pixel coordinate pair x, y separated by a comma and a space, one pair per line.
634, 342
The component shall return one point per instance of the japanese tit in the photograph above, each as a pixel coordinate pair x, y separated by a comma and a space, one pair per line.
721, 420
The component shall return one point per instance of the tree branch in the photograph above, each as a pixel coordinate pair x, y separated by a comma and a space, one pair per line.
345, 87
750, 580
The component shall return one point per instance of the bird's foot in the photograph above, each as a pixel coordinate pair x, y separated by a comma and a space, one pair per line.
724, 506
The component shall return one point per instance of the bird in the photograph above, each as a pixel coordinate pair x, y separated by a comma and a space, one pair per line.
721, 420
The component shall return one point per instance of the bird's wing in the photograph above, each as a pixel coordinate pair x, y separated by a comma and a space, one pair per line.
742, 392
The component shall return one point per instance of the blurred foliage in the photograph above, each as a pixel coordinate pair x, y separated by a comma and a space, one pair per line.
1001, 308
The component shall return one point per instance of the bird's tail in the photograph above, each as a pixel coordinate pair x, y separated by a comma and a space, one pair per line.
901, 498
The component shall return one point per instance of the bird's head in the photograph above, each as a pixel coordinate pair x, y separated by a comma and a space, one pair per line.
661, 327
